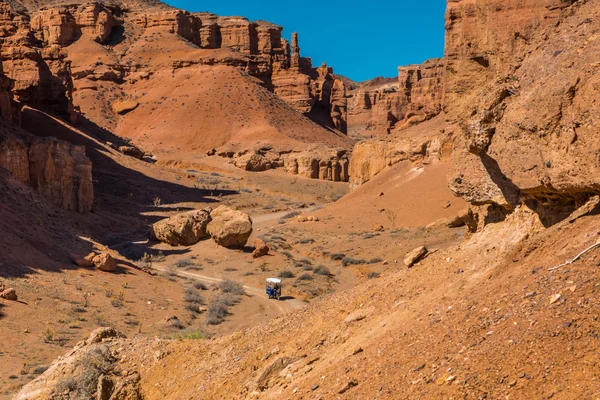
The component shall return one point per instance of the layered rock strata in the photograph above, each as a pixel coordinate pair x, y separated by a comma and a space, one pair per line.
317, 162
58, 170
416, 96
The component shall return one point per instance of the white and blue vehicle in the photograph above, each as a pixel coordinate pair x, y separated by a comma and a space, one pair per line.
274, 288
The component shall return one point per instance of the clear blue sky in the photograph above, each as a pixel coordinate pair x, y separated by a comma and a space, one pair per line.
360, 40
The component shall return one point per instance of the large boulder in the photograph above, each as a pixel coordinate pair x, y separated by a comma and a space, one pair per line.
105, 262
229, 228
184, 229
132, 151
253, 162
83, 261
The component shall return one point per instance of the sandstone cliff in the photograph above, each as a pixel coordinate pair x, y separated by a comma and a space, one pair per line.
41, 74
382, 106
258, 49
421, 144
522, 97
59, 171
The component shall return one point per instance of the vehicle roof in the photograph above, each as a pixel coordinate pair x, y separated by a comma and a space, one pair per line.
274, 280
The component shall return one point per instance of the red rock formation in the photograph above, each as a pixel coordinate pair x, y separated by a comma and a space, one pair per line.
519, 90
264, 54
420, 144
41, 75
64, 25
59, 171
381, 107
315, 92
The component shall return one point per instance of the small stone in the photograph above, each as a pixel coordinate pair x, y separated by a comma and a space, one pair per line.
419, 368
9, 294
352, 383
378, 228
415, 256
512, 383
314, 387
554, 298
359, 350
260, 248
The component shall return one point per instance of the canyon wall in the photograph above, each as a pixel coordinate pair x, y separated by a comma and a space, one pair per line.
414, 97
34, 53
521, 93
58, 170
41, 74
265, 54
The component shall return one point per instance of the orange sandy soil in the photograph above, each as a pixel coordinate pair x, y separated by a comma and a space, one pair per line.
481, 319
129, 195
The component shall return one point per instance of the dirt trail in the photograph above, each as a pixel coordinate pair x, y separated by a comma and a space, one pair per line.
285, 305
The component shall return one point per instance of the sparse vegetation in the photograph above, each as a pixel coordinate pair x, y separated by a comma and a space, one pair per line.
306, 277
199, 285
305, 262
286, 274
337, 256
193, 299
289, 215
352, 261
98, 361
229, 286
48, 335
322, 270
170, 273
185, 263
218, 310
392, 217
191, 335
117, 300
39, 370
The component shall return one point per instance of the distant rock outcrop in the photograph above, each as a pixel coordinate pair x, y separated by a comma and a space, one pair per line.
420, 144
381, 106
